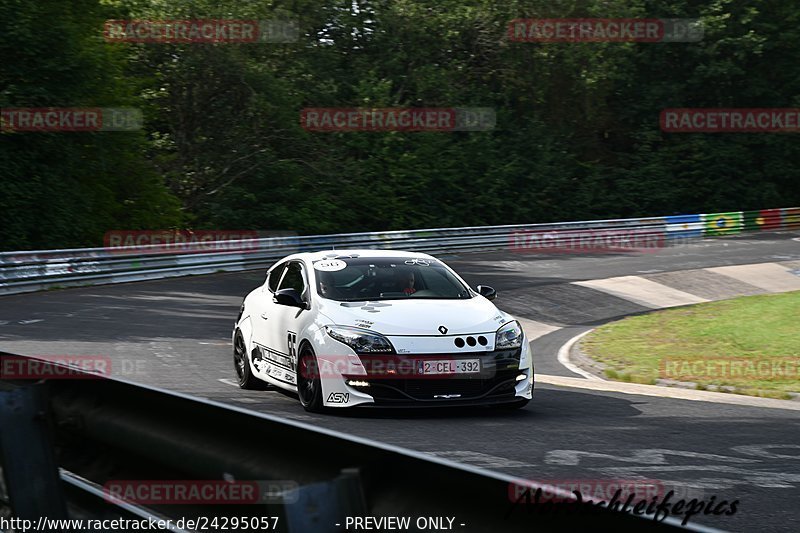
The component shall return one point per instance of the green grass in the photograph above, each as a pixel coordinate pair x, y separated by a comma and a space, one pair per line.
749, 330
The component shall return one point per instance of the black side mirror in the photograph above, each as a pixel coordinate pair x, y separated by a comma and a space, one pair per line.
289, 297
487, 292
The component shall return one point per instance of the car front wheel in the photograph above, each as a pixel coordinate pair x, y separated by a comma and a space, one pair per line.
242, 366
309, 385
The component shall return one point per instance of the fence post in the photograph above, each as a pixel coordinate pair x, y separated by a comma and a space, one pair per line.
26, 455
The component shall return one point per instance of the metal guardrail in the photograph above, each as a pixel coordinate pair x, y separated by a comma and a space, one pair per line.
26, 271
101, 431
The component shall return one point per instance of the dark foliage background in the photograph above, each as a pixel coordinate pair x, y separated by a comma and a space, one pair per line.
577, 135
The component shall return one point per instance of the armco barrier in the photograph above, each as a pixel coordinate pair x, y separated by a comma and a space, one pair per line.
103, 433
27, 271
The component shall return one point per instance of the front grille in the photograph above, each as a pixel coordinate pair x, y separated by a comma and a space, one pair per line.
497, 380
466, 387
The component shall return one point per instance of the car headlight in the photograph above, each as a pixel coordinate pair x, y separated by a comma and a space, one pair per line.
508, 336
361, 340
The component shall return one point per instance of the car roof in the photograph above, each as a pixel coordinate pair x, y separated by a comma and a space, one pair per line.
351, 253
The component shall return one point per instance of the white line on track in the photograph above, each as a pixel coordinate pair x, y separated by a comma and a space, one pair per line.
668, 392
563, 358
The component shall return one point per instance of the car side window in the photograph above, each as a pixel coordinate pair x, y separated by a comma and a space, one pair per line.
275, 277
294, 278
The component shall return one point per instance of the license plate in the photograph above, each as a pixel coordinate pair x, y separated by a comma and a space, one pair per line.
450, 366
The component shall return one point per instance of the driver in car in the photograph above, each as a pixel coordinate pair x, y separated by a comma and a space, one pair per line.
326, 288
408, 283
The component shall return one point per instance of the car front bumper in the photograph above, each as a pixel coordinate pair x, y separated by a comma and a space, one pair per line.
395, 381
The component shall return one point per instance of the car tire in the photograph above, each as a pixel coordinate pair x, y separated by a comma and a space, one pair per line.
309, 384
241, 364
512, 406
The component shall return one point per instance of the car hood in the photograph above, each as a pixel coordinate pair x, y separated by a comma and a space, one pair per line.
418, 317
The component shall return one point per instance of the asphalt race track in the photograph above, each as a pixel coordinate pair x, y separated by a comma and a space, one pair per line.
175, 334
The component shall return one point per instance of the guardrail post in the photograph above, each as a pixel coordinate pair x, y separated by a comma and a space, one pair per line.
26, 455
321, 507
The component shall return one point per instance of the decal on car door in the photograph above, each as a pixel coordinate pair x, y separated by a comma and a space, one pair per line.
291, 342
339, 397
274, 364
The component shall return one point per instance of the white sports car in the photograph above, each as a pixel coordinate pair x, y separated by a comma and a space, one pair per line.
379, 328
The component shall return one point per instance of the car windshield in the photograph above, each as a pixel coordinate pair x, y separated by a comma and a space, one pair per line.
386, 278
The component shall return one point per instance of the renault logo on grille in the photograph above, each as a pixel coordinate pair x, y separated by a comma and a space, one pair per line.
442, 330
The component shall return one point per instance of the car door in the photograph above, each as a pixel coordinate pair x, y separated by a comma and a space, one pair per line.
265, 307
284, 323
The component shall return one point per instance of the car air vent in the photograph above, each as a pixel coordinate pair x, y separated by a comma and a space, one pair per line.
470, 341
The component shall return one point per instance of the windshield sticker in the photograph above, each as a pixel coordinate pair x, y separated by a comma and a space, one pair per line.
369, 307
333, 265
420, 262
